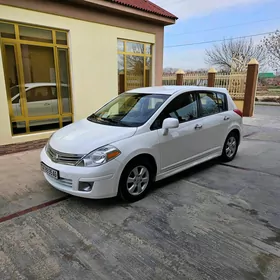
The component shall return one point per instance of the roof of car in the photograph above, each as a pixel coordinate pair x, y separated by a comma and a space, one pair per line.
32, 85
169, 90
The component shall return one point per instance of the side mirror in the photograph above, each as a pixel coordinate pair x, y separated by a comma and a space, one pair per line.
169, 123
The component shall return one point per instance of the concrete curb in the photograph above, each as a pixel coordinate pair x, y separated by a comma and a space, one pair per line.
267, 103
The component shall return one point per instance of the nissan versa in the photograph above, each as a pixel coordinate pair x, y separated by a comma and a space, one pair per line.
139, 137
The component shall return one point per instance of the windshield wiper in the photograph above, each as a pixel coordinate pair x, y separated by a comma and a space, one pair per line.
114, 121
92, 117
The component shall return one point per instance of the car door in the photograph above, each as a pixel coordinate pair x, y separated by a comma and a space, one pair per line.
214, 121
183, 144
38, 101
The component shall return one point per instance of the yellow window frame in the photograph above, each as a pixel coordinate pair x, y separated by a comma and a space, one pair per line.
145, 55
16, 43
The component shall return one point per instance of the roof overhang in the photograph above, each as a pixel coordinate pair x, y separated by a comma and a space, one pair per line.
124, 10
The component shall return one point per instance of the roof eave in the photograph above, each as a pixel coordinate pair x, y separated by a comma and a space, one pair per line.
117, 8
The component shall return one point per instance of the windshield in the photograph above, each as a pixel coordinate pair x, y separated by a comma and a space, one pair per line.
129, 109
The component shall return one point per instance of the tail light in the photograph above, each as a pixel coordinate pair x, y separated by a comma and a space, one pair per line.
238, 112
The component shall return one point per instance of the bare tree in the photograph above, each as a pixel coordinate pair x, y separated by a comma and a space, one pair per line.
234, 55
170, 70
272, 46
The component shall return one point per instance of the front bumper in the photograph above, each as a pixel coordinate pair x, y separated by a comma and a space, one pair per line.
105, 178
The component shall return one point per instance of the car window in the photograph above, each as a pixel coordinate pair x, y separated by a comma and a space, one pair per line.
16, 100
208, 104
129, 109
221, 101
183, 108
41, 94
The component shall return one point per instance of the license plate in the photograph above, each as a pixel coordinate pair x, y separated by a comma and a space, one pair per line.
50, 171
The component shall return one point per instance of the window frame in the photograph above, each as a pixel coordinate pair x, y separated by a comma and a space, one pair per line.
214, 93
225, 100
198, 106
17, 42
147, 80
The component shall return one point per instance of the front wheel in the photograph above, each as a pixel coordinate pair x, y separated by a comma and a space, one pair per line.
230, 147
135, 181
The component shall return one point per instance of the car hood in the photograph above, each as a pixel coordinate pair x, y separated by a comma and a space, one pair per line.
84, 136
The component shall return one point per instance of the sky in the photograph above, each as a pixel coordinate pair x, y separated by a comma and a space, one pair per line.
228, 18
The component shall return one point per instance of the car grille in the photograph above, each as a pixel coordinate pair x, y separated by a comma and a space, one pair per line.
62, 158
65, 182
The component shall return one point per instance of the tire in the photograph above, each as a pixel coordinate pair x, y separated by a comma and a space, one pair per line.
133, 186
230, 147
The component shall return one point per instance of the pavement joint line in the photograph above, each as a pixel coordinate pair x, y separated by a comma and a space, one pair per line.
32, 209
249, 169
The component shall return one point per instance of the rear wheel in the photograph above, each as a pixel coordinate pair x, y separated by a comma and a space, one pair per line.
230, 147
136, 180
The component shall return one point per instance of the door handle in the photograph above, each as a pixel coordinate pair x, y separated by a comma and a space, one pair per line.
226, 118
198, 126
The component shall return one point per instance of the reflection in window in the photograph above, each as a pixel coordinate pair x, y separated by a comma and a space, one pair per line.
121, 82
132, 47
45, 124
222, 103
120, 46
134, 71
64, 79
7, 30
37, 78
183, 108
18, 127
134, 65
129, 109
66, 121
61, 38
209, 104
35, 34
12, 79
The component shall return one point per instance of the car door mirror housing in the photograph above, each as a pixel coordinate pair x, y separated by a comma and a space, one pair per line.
169, 123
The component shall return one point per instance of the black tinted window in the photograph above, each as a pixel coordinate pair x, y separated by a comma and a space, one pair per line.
222, 101
183, 108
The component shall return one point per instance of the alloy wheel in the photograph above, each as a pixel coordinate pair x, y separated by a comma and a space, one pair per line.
138, 180
231, 146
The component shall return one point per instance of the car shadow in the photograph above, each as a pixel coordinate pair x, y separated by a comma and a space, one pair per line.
110, 203
185, 174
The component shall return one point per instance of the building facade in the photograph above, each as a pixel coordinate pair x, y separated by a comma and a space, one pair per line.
60, 62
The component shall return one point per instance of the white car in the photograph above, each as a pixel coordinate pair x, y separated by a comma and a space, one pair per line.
142, 136
41, 99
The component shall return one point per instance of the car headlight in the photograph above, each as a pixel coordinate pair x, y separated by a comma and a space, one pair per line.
48, 142
99, 156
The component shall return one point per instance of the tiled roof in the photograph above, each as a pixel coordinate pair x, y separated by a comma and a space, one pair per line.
145, 5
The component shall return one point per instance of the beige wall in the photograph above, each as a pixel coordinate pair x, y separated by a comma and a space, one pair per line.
239, 104
93, 59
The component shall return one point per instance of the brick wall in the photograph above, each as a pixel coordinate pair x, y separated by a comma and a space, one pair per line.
21, 147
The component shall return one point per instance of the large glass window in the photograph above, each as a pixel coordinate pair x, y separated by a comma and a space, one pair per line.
37, 75
134, 65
